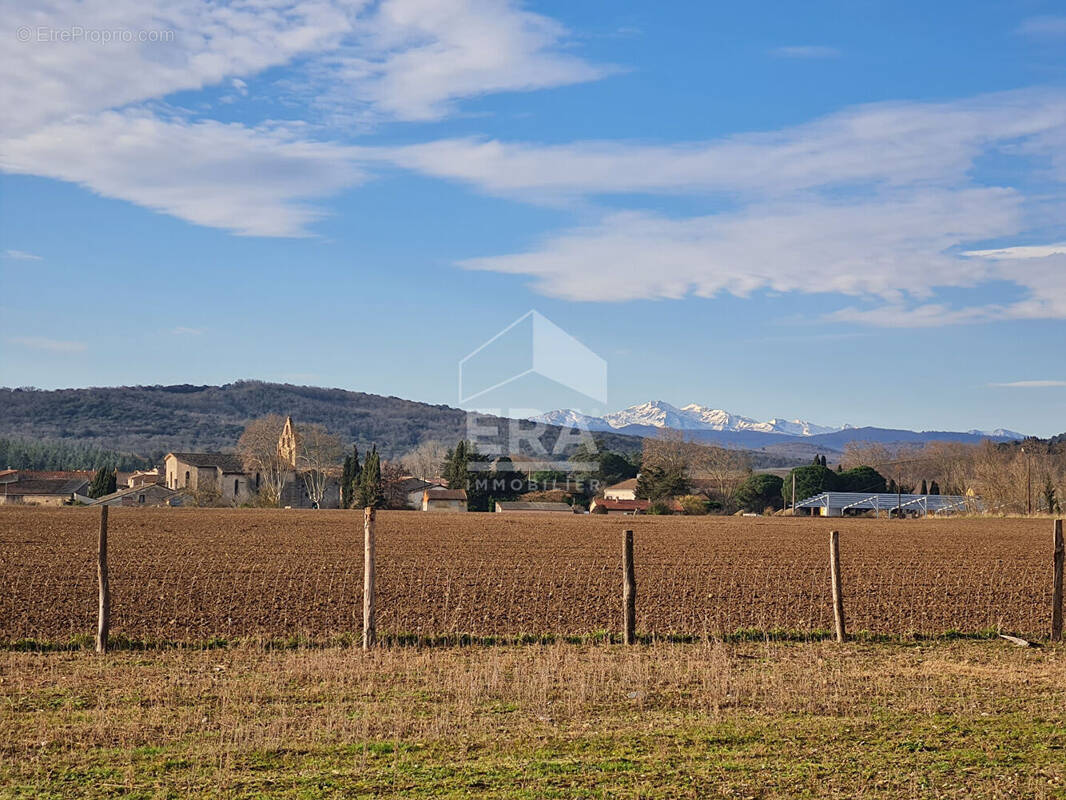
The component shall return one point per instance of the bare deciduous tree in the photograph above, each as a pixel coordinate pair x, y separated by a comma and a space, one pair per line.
393, 475
723, 468
726, 468
425, 460
318, 459
258, 449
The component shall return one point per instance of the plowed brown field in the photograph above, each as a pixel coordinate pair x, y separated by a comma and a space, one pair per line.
192, 574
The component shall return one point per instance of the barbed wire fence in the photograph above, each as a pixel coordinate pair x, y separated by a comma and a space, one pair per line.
227, 592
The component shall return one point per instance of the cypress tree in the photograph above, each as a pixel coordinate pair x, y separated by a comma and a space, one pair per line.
350, 478
934, 488
371, 492
104, 482
455, 467
925, 487
346, 482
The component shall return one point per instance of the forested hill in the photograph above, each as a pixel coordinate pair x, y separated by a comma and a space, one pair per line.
151, 420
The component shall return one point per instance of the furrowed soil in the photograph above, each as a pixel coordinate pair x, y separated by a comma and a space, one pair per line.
196, 575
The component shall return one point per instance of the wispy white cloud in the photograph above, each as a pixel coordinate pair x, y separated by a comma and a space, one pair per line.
413, 59
88, 111
1043, 26
51, 345
812, 51
916, 144
1029, 384
249, 181
1022, 252
881, 248
21, 255
806, 210
206, 44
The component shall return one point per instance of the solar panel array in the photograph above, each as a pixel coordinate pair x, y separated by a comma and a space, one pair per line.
885, 501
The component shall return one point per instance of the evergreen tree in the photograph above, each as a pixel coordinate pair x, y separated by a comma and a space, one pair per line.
1050, 500
892, 488
760, 491
860, 479
371, 491
934, 488
506, 482
350, 477
810, 480
925, 487
817, 461
346, 482
105, 481
456, 474
660, 483
823, 461
455, 467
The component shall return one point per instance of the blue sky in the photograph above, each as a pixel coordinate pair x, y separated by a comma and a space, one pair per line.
851, 212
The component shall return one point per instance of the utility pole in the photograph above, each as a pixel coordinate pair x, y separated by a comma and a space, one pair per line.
899, 495
793, 492
1028, 483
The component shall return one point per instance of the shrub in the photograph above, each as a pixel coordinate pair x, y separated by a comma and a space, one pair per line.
694, 504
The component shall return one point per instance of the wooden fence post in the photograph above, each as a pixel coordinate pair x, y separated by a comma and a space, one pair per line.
629, 590
1056, 594
103, 622
368, 578
838, 593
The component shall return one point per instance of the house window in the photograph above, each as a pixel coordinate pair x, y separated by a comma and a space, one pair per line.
236, 488
186, 477
140, 498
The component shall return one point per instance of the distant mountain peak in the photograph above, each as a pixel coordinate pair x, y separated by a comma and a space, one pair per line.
660, 414
695, 417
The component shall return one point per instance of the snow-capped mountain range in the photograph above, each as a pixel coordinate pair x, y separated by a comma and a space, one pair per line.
693, 417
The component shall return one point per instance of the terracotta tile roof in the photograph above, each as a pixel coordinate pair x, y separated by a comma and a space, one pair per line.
55, 474
227, 462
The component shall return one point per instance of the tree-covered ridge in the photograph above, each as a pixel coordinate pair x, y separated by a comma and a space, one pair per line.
152, 420
65, 455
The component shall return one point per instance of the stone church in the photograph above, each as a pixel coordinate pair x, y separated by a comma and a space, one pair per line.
224, 476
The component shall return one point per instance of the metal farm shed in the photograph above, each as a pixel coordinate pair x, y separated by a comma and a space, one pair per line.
834, 504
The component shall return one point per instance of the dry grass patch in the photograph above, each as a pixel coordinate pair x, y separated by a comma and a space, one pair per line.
950, 719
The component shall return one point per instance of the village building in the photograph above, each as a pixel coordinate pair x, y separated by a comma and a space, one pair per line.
528, 506
221, 475
444, 500
620, 507
631, 507
144, 477
143, 496
24, 488
412, 489
625, 490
